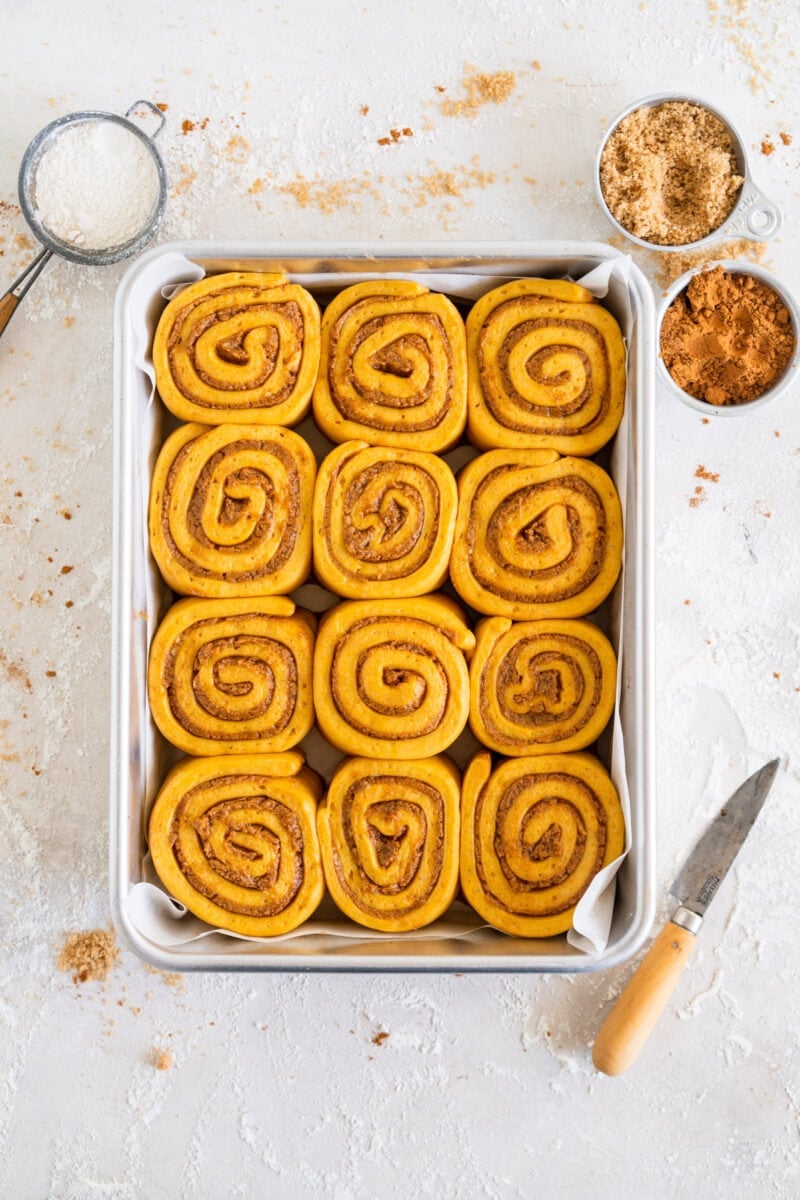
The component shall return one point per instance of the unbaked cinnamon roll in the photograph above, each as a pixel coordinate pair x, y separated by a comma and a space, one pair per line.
383, 521
233, 676
391, 678
388, 833
243, 346
537, 536
540, 687
534, 833
392, 367
230, 510
546, 368
234, 839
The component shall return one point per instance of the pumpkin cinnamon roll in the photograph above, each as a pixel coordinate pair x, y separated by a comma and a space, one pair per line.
234, 839
390, 676
243, 346
537, 687
233, 676
383, 521
230, 510
389, 839
392, 368
546, 368
537, 536
534, 833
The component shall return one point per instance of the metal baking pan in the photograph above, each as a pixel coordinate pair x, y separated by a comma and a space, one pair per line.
140, 757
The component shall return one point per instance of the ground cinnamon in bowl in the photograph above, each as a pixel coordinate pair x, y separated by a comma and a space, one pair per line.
727, 338
669, 173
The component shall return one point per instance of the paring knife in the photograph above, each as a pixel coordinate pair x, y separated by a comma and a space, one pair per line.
633, 1017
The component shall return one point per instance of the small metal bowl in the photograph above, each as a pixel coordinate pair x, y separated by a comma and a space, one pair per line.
27, 187
753, 216
787, 379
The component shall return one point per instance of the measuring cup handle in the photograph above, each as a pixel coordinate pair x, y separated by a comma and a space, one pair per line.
153, 109
755, 216
21, 286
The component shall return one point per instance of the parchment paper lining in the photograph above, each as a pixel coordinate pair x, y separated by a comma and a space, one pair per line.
157, 916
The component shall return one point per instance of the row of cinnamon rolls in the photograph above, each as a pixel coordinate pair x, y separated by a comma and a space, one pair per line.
238, 510
249, 843
539, 365
387, 678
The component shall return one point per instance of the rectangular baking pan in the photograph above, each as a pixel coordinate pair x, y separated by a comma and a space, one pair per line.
138, 753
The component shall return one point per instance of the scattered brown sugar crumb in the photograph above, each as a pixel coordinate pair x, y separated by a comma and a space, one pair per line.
89, 956
188, 176
163, 1060
65, 513
481, 88
364, 109
380, 1038
395, 135
50, 674
14, 672
187, 126
69, 603
727, 338
703, 473
66, 570
440, 89
669, 266
776, 674
687, 602
329, 195
162, 106
237, 149
767, 146
668, 173
698, 498
68, 322
255, 187
537, 66
786, 138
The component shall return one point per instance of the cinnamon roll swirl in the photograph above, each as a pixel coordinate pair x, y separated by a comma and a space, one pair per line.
243, 346
234, 839
392, 367
546, 368
230, 510
534, 833
537, 536
233, 676
389, 839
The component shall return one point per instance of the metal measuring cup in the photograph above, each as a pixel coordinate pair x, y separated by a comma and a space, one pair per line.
55, 245
753, 216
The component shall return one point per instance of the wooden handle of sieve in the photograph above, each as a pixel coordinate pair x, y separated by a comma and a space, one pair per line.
8, 306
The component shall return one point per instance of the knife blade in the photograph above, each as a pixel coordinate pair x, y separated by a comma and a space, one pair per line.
634, 1016
716, 851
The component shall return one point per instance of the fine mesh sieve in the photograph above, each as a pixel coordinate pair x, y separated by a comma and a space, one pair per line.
51, 243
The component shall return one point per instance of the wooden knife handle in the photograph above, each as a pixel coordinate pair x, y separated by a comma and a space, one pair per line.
634, 1016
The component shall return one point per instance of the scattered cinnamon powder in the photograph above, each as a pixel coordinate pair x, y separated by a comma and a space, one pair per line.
727, 338
668, 173
89, 956
481, 88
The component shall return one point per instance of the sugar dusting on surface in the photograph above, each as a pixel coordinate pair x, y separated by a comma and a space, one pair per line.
279, 1077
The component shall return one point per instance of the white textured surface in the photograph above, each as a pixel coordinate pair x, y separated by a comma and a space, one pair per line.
485, 1085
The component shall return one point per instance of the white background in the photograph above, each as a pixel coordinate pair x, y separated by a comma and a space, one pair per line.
484, 1086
